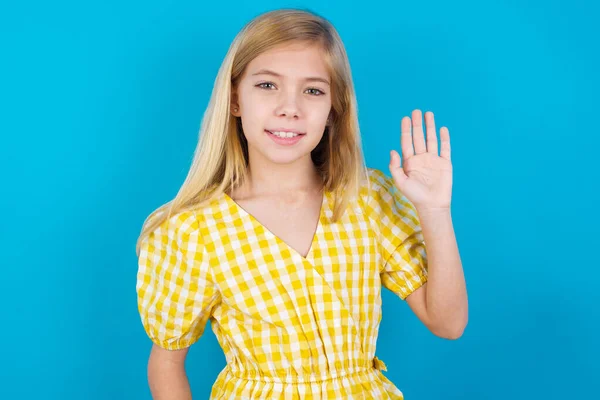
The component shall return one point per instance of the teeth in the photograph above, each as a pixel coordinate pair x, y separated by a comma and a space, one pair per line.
285, 134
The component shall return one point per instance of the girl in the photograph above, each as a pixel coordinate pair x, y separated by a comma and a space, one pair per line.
282, 238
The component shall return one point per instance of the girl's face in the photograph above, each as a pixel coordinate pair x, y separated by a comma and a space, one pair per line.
284, 100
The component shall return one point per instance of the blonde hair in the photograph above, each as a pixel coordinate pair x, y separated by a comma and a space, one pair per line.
221, 157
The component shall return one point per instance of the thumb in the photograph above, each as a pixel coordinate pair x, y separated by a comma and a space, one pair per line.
395, 168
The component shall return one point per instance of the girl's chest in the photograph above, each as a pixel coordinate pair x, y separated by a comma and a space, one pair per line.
260, 273
294, 224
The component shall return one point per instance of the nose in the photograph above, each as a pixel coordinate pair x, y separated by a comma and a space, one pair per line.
288, 105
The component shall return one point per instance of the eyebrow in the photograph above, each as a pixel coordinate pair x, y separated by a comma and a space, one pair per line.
273, 73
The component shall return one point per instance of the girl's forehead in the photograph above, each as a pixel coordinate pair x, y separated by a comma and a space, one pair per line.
291, 60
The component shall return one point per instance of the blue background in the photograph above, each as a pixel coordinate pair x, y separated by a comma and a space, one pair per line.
101, 103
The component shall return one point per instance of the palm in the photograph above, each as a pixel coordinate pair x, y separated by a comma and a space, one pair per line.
424, 177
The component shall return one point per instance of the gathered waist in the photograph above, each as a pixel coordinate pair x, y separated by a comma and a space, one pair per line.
360, 367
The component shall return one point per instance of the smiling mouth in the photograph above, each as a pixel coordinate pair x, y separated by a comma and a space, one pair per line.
284, 135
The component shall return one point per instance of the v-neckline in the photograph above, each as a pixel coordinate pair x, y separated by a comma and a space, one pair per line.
281, 242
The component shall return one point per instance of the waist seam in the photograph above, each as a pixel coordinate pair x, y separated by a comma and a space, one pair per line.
300, 379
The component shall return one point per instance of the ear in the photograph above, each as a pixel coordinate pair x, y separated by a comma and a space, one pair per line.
235, 110
235, 106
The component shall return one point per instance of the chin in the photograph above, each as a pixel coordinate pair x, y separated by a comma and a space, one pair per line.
279, 156
283, 159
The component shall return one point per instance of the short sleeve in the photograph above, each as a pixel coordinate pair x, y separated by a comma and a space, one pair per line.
402, 246
175, 289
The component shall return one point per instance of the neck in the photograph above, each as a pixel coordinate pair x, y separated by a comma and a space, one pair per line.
269, 178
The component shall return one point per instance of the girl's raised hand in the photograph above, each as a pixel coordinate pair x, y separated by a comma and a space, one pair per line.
422, 175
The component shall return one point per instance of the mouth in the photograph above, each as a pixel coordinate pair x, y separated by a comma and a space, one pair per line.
285, 134
285, 138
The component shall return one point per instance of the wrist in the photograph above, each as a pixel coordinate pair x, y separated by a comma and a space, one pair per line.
433, 212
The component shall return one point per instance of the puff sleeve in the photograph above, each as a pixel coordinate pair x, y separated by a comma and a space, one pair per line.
402, 246
175, 289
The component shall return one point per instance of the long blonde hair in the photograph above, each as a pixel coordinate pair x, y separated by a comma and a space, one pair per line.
221, 156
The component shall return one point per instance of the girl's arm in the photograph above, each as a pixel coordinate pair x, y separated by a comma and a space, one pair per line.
166, 374
425, 177
441, 303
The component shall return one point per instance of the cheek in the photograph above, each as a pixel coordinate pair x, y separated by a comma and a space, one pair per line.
320, 114
255, 106
254, 111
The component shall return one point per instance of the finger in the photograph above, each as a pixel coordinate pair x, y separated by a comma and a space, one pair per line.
397, 172
406, 139
395, 161
432, 144
417, 132
445, 143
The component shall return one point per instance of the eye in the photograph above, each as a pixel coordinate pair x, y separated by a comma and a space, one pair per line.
319, 91
262, 85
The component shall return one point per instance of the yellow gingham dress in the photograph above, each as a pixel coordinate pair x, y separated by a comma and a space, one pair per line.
291, 327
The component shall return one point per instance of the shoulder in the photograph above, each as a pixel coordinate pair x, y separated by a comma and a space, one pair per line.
381, 197
377, 176
175, 232
181, 223
376, 187
194, 220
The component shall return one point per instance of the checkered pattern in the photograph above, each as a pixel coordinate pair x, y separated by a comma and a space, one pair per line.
291, 327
